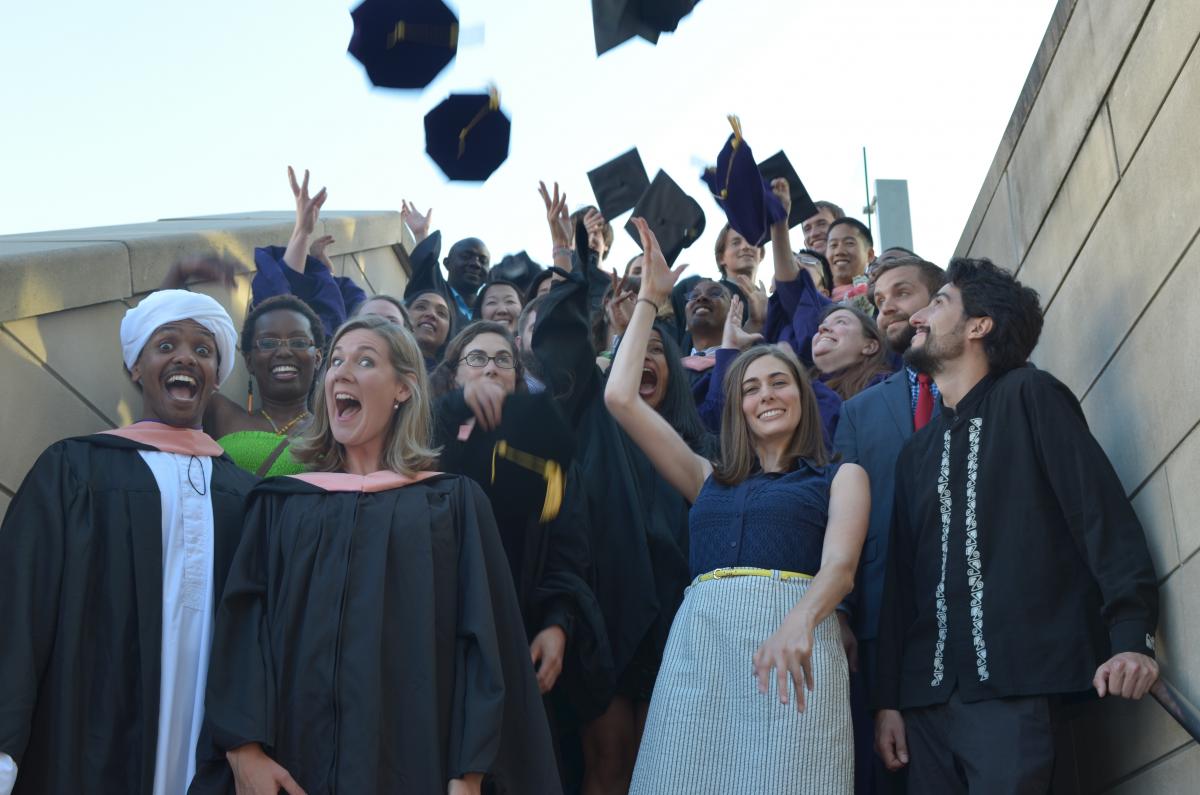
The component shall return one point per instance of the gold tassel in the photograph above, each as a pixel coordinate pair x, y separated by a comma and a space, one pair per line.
550, 471
736, 123
493, 105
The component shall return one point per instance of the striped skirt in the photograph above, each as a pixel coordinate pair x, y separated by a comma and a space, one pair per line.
709, 729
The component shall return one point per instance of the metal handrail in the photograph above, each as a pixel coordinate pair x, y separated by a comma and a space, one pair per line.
1174, 702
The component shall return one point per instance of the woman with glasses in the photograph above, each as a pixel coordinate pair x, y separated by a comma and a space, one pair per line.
281, 344
481, 403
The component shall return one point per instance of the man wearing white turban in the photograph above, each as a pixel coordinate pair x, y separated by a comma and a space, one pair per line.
112, 555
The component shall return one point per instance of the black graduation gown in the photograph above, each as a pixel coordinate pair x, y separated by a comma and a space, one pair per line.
638, 524
550, 561
81, 596
371, 642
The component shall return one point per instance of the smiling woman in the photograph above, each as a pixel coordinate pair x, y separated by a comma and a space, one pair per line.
401, 565
281, 343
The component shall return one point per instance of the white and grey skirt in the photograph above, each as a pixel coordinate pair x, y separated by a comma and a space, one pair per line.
709, 729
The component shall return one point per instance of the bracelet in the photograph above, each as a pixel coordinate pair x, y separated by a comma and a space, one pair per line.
564, 250
657, 309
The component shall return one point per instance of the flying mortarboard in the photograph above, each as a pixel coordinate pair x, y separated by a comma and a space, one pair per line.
467, 136
740, 190
619, 183
674, 217
615, 22
404, 43
664, 15
778, 165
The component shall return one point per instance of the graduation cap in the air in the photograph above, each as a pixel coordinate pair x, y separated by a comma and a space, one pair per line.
467, 136
519, 268
616, 21
674, 217
619, 183
778, 165
740, 190
404, 43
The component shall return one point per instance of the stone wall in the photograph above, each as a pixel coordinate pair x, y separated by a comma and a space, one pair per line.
1094, 199
62, 296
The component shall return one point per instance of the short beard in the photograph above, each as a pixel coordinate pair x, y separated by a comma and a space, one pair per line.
902, 343
931, 357
531, 364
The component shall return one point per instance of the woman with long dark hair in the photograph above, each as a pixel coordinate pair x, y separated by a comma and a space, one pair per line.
776, 532
369, 638
849, 352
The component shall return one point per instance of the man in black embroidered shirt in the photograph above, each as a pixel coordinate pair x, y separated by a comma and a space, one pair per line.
1017, 569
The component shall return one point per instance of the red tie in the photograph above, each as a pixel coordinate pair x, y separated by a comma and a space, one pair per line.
924, 402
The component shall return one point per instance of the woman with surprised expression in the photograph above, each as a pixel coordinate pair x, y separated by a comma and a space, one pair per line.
775, 536
367, 640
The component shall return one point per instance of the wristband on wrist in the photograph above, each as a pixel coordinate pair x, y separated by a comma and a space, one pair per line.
648, 301
563, 250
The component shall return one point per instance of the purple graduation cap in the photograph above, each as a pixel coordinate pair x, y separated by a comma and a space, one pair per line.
740, 190
403, 43
467, 136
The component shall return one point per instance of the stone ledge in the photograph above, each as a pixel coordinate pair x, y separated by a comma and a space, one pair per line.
44, 272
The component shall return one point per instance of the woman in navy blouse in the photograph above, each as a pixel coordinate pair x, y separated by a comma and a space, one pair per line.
775, 534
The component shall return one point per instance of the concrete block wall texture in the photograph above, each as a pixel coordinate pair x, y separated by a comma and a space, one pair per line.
63, 294
1093, 198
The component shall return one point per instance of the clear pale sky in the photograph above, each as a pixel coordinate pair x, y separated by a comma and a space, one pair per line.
133, 110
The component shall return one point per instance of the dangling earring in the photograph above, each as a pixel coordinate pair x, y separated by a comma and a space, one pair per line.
250, 395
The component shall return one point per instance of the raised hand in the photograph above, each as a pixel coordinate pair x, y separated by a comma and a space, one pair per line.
417, 224
783, 192
734, 336
594, 222
757, 297
658, 278
317, 250
308, 208
562, 233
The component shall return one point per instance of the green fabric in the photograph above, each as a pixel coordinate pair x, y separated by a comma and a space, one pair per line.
249, 449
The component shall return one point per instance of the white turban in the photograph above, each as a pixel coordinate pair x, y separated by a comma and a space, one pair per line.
168, 306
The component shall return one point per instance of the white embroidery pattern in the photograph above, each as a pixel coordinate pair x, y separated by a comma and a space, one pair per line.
939, 649
974, 567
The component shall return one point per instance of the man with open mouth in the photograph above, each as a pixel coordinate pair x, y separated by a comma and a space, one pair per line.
113, 552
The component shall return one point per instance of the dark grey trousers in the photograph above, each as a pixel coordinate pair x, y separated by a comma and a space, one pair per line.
1001, 746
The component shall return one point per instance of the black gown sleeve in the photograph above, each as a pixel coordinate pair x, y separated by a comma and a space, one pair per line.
1098, 513
562, 342
497, 725
31, 566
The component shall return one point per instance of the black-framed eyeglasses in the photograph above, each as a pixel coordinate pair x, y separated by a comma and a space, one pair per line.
271, 343
714, 293
480, 359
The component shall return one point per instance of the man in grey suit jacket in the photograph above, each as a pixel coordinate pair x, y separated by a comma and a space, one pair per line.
874, 425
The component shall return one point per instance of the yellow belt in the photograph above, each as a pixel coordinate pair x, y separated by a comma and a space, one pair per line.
745, 571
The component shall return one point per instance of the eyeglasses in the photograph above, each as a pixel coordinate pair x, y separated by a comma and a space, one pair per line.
271, 343
714, 293
480, 359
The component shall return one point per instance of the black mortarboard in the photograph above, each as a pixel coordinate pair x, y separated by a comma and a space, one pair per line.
674, 217
519, 268
403, 43
778, 165
467, 136
741, 191
664, 15
615, 22
619, 183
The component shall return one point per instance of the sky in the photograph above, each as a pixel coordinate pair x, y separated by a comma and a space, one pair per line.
133, 110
